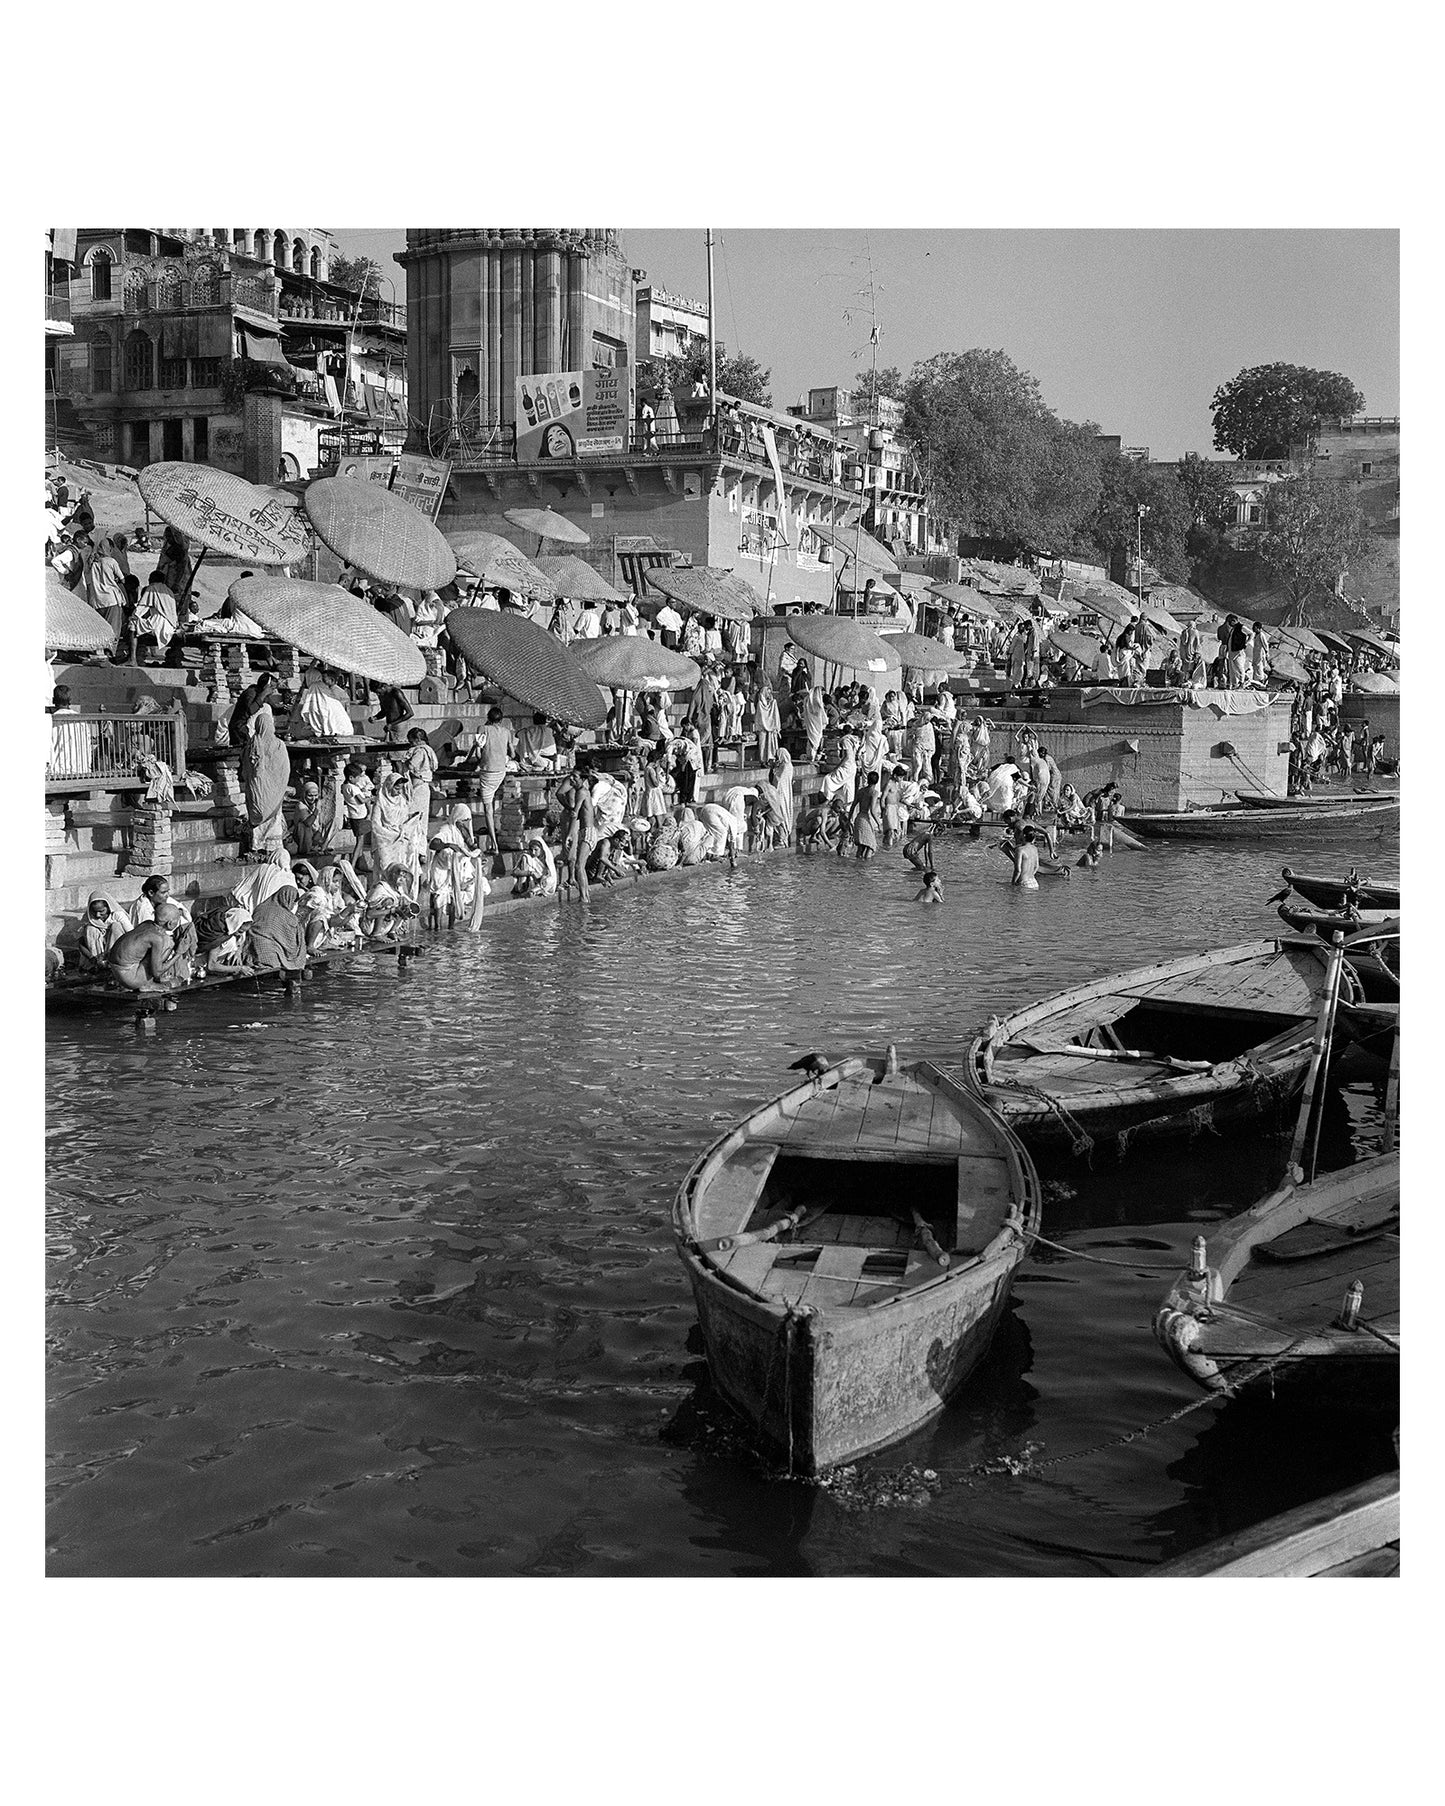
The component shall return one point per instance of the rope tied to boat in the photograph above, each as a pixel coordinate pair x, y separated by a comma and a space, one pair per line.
1080, 1140
1152, 1266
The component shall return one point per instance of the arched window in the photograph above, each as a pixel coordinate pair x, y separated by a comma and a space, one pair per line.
263, 243
139, 361
168, 288
100, 261
298, 256
135, 290
283, 249
205, 285
241, 239
315, 264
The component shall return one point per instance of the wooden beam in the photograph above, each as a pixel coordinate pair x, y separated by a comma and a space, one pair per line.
1305, 1541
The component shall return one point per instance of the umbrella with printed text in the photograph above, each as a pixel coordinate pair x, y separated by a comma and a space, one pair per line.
497, 562
224, 513
379, 533
332, 625
528, 663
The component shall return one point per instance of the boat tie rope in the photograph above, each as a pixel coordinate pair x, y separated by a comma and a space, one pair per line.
1199, 1118
1152, 1266
1379, 1334
1080, 1140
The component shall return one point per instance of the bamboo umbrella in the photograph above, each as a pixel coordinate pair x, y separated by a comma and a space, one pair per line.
918, 653
546, 523
333, 625
223, 513
492, 559
964, 600
627, 663
72, 625
843, 645
528, 663
577, 580
868, 552
379, 533
1080, 646
707, 590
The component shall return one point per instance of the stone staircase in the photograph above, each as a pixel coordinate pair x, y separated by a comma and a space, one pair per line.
95, 850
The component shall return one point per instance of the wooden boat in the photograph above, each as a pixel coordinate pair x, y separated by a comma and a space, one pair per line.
1374, 956
1306, 918
851, 1246
1171, 1046
1374, 815
1341, 799
1331, 893
1346, 1535
1307, 1280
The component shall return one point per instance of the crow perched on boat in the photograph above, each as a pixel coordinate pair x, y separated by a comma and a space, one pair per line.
812, 1063
1280, 895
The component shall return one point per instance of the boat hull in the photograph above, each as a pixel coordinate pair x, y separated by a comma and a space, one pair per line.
819, 1388
1260, 824
1329, 893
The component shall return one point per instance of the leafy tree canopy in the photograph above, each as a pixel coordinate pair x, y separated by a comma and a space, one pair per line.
1205, 487
868, 385
1313, 532
1263, 411
362, 275
1127, 484
997, 460
742, 377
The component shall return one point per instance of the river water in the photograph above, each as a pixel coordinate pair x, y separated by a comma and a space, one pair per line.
379, 1280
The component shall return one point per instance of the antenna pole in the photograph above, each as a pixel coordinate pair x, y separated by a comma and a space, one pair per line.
711, 339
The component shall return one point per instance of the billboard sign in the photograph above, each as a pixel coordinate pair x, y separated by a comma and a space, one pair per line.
420, 481
571, 414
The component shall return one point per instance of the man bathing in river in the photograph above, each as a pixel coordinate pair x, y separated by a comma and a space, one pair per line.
144, 959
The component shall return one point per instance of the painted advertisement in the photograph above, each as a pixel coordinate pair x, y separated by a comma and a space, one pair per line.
420, 481
571, 414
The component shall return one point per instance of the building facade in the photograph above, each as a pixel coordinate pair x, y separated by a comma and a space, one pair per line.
879, 467
489, 305
667, 325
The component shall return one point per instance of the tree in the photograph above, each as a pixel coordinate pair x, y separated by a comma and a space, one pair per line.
1127, 484
1206, 488
868, 386
1263, 411
1313, 532
996, 459
742, 377
362, 275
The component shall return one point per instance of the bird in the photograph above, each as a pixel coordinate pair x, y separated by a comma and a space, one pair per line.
1280, 895
812, 1063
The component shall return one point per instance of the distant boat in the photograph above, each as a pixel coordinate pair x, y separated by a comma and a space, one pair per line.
1307, 1281
851, 1246
1342, 799
1349, 1534
1376, 814
1168, 1046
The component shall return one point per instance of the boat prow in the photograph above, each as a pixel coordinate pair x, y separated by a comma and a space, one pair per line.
851, 1247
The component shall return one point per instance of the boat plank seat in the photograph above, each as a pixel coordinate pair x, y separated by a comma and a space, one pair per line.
1066, 1073
1072, 1025
751, 1264
1312, 1291
729, 1201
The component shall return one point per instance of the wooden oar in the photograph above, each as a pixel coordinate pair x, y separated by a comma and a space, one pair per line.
1324, 1028
1122, 1053
797, 1219
925, 1235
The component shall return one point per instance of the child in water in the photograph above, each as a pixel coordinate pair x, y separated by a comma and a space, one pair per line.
932, 891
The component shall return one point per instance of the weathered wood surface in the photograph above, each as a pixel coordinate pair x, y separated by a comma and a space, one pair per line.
1330, 1536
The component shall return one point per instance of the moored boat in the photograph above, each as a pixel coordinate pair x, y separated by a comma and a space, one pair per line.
1334, 893
1305, 1283
1307, 918
1339, 799
1171, 1046
1369, 815
1346, 1535
851, 1246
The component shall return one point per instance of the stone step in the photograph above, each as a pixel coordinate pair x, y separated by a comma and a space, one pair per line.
112, 836
65, 905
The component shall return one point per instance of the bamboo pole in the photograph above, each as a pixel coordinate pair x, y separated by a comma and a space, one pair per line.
1324, 1028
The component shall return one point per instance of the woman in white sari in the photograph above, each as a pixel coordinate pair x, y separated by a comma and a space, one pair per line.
321, 709
769, 721
841, 782
391, 838
781, 774
815, 720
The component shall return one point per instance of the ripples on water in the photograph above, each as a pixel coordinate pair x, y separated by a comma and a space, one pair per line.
380, 1280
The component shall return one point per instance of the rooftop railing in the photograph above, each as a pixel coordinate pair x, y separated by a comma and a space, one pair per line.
104, 748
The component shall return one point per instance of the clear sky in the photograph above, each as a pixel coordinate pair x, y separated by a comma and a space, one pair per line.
1131, 329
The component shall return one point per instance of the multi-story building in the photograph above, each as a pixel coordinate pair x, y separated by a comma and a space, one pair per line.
175, 328
490, 305
59, 260
667, 325
1363, 452
878, 466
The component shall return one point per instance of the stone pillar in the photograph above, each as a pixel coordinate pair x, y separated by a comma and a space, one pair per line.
511, 319
150, 845
491, 373
156, 438
548, 353
188, 439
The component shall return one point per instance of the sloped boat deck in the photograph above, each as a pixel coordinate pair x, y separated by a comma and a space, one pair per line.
847, 1257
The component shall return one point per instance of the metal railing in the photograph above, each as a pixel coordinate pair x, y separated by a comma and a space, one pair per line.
99, 746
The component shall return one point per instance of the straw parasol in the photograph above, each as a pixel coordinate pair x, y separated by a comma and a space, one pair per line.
546, 523
71, 624
492, 559
626, 661
575, 578
1107, 605
529, 663
964, 600
869, 553
379, 533
1080, 646
331, 624
1303, 637
223, 514
843, 643
708, 590
1160, 617
1374, 642
1374, 683
916, 652
1285, 665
